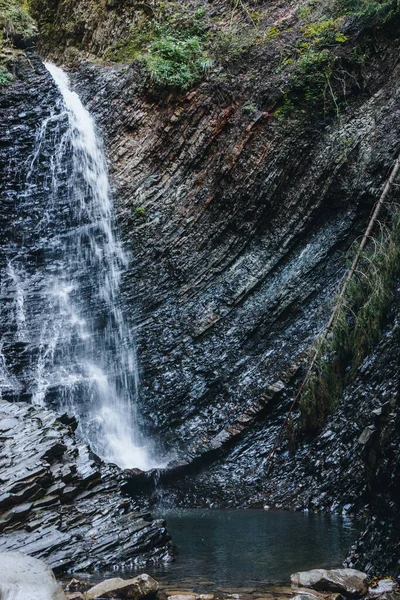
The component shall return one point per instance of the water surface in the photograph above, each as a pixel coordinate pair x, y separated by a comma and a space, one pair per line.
236, 549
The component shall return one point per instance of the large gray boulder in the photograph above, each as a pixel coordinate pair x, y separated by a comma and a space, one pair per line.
348, 582
23, 577
135, 589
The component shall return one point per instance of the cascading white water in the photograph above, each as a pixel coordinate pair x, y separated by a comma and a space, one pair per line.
69, 305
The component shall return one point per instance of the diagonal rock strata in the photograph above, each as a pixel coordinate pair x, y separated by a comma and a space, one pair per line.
59, 502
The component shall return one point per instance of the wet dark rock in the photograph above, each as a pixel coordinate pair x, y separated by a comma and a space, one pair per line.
233, 270
232, 274
59, 502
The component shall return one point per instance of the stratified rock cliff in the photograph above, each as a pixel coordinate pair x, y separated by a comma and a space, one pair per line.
240, 198
60, 503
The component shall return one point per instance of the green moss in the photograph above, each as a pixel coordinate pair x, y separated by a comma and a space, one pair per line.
5, 76
322, 33
273, 33
140, 212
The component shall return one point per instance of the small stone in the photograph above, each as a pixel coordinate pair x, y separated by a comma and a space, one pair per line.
76, 585
183, 597
385, 585
308, 596
136, 588
366, 435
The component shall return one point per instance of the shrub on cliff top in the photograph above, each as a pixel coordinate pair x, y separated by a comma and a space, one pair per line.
15, 19
367, 11
176, 62
5, 76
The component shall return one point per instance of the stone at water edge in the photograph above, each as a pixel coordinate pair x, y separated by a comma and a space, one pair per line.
385, 585
135, 589
348, 582
183, 597
23, 577
308, 596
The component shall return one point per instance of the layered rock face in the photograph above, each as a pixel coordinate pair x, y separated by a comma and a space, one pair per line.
61, 504
238, 245
246, 228
235, 259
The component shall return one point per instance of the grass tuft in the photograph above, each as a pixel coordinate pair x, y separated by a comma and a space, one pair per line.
356, 328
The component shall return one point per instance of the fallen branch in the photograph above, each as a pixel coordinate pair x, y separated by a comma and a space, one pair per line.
323, 335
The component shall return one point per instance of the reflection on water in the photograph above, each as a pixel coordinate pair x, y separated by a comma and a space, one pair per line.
245, 550
221, 549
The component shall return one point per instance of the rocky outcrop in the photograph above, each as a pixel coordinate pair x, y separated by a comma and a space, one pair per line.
236, 252
26, 578
239, 224
61, 504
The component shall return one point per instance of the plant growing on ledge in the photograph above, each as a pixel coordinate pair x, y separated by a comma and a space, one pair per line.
5, 76
16, 26
176, 62
356, 326
140, 212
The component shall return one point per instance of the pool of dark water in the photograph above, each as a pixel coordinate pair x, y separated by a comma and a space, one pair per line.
239, 551
252, 549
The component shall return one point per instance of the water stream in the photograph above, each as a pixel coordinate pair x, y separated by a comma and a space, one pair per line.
66, 310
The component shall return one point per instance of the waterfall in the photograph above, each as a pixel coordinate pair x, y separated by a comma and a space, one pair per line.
69, 307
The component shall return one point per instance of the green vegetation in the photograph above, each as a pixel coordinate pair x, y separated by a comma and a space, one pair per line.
15, 19
249, 108
356, 328
313, 66
170, 44
273, 33
324, 68
15, 25
5, 76
140, 212
179, 44
321, 33
366, 11
176, 62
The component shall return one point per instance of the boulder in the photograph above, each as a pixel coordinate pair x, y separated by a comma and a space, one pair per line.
348, 582
136, 588
23, 577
